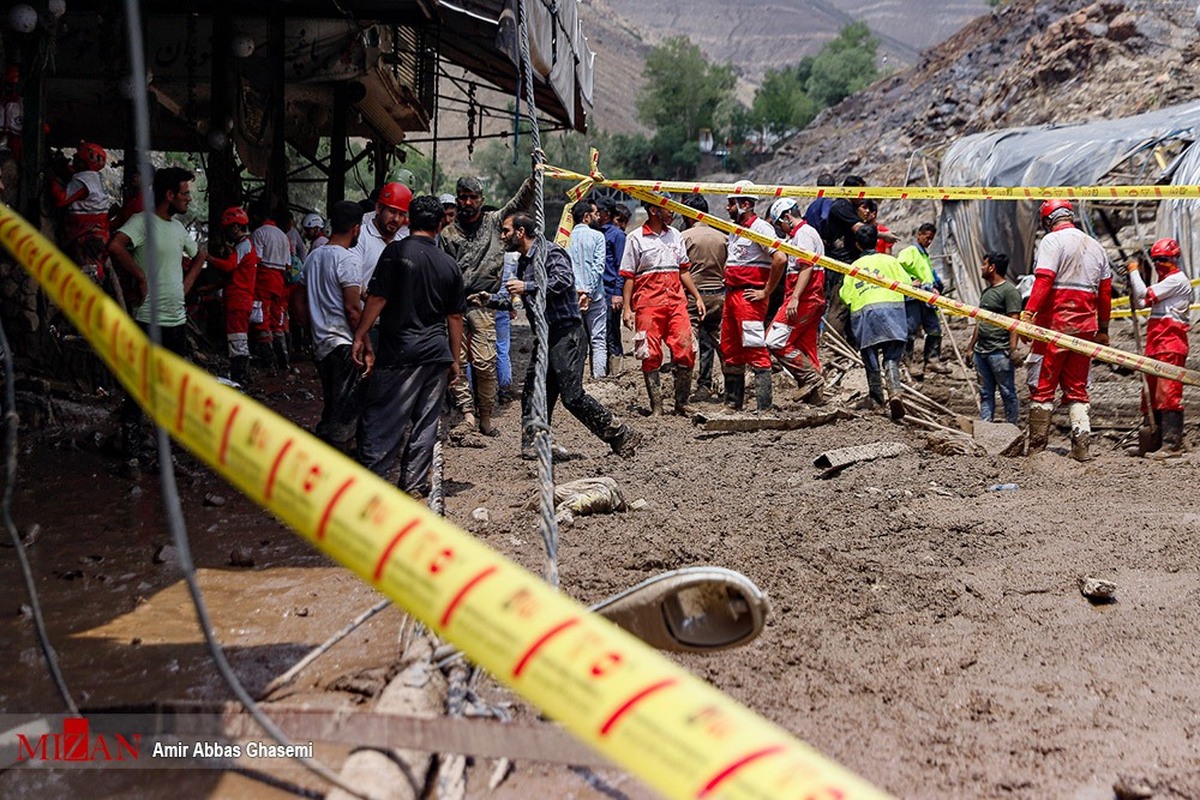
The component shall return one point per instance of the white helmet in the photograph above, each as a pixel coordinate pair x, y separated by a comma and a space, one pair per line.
448, 200
313, 220
740, 191
781, 207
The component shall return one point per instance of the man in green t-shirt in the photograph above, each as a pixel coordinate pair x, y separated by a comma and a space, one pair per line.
995, 349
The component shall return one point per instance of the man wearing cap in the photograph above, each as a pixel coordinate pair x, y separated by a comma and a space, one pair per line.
473, 240
752, 272
1072, 293
314, 231
449, 207
386, 224
241, 264
270, 287
792, 337
87, 203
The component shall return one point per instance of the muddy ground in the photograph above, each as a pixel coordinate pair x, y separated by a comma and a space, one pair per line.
926, 632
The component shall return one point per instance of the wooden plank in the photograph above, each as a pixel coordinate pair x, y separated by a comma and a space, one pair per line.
746, 424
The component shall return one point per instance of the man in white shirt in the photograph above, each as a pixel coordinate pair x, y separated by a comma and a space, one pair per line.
387, 224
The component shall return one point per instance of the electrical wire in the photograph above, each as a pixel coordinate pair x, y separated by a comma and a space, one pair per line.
11, 423
170, 491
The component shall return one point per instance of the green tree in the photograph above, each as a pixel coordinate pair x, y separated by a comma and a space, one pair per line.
679, 99
844, 66
781, 105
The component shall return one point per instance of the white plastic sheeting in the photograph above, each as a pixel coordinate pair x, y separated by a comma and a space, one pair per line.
1073, 155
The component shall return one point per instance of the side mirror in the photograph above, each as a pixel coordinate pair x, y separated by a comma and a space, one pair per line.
691, 610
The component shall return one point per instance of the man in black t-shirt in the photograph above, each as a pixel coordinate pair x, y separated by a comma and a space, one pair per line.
838, 236
418, 296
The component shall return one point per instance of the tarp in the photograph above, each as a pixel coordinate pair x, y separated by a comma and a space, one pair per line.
1069, 155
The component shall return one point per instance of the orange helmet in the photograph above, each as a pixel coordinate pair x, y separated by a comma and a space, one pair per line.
395, 195
1054, 207
92, 155
1166, 249
234, 215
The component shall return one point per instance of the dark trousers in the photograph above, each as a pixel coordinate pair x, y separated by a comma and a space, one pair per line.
174, 338
891, 350
343, 392
707, 332
614, 330
402, 401
564, 379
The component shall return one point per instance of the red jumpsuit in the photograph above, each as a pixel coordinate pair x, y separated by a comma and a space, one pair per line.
747, 266
242, 266
654, 263
270, 286
1166, 332
794, 342
1072, 293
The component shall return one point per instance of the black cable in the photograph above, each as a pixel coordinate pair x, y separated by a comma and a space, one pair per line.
11, 423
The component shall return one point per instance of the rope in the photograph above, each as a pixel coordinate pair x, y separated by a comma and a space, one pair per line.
11, 422
538, 426
170, 491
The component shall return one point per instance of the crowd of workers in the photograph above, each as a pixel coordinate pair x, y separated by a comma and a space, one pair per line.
406, 302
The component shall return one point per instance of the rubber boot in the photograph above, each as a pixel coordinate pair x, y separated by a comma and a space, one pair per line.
683, 391
1172, 436
735, 390
891, 378
239, 370
485, 389
261, 352
763, 389
280, 351
654, 391
1039, 426
874, 398
614, 366
1081, 432
933, 356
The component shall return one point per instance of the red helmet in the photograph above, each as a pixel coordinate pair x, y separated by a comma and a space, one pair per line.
1056, 204
1167, 249
92, 155
234, 215
395, 195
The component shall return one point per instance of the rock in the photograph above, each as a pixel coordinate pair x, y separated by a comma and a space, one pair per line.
1097, 589
480, 515
1097, 29
241, 556
213, 499
31, 534
167, 554
998, 438
1132, 789
1122, 27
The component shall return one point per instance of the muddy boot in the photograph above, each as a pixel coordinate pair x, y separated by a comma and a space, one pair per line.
1039, 426
875, 389
763, 389
1081, 432
654, 391
810, 387
279, 350
1171, 430
891, 379
683, 391
614, 366
735, 390
239, 370
263, 354
623, 439
933, 356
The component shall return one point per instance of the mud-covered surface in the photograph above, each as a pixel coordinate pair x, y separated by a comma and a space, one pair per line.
926, 632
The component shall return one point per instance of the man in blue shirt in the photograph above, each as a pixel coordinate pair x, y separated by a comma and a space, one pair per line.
614, 284
587, 249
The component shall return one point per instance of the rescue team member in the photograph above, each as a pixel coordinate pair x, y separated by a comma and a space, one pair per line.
270, 288
877, 320
1072, 293
706, 251
386, 224
566, 348
87, 204
751, 273
314, 231
916, 262
792, 337
242, 265
1166, 340
656, 270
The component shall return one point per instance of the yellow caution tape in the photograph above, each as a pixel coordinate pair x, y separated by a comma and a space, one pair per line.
618, 695
1091, 349
768, 191
1123, 313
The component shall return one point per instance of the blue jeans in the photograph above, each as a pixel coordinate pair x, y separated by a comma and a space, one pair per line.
996, 371
503, 365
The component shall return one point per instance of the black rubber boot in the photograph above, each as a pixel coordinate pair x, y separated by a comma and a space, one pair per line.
683, 391
1172, 436
239, 370
875, 388
654, 391
891, 377
623, 440
763, 389
282, 358
735, 390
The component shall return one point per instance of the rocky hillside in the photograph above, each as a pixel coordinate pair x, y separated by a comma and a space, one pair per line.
1029, 62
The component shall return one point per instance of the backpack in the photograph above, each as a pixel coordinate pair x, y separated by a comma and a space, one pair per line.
817, 215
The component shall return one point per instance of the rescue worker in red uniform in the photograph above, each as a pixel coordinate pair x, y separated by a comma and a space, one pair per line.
242, 265
1166, 340
270, 288
656, 270
87, 203
1072, 293
751, 273
792, 337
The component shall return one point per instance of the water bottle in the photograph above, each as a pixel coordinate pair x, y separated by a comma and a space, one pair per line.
1003, 487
